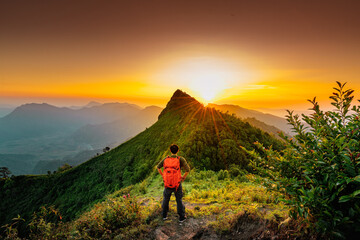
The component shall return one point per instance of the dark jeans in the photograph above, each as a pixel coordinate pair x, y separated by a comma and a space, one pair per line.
179, 203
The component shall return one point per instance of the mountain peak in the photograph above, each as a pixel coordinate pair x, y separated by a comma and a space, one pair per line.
33, 107
180, 94
92, 104
180, 101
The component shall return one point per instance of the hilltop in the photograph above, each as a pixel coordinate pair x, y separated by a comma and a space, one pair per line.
209, 139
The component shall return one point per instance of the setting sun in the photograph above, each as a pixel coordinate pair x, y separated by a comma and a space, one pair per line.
208, 89
205, 77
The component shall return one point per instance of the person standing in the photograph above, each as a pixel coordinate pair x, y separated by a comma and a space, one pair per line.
172, 181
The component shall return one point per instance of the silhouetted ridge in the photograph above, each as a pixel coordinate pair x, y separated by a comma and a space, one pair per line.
180, 101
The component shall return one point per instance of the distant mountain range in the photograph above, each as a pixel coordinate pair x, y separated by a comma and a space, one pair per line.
34, 120
56, 134
114, 132
90, 104
18, 163
272, 123
44, 166
5, 111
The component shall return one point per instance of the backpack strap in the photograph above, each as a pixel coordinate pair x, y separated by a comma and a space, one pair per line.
165, 159
178, 157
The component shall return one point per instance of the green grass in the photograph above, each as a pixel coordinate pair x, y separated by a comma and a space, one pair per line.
133, 213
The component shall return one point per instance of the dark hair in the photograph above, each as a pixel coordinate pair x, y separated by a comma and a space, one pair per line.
174, 148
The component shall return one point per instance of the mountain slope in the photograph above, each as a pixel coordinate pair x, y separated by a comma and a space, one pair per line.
266, 118
265, 127
208, 139
5, 111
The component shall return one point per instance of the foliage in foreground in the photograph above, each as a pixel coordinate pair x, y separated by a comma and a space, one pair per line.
319, 169
217, 198
107, 220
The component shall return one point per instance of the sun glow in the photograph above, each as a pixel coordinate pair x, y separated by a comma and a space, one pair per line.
206, 78
208, 88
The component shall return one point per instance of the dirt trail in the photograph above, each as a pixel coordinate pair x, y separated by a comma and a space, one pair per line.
172, 229
192, 228
197, 228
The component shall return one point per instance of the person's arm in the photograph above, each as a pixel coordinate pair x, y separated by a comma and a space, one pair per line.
160, 165
184, 177
159, 170
184, 165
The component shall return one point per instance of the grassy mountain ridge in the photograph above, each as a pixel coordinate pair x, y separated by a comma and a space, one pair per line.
208, 139
269, 119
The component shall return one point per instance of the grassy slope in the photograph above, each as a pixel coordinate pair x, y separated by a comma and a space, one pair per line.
77, 189
216, 202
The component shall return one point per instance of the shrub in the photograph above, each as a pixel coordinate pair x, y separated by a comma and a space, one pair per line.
11, 231
47, 224
143, 186
64, 167
110, 218
223, 174
319, 169
205, 175
236, 171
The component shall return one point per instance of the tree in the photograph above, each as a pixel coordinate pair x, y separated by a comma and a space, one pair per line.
319, 170
64, 167
4, 172
106, 149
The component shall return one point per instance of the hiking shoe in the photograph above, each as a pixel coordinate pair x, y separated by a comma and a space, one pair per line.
165, 218
182, 219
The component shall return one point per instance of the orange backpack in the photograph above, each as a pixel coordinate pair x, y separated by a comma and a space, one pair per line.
172, 172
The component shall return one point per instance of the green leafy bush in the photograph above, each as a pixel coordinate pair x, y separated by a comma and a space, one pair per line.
236, 171
11, 231
47, 224
319, 169
223, 174
109, 219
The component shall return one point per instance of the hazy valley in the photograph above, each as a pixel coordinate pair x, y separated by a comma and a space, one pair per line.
51, 136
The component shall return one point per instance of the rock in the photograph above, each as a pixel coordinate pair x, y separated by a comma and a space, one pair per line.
284, 223
159, 235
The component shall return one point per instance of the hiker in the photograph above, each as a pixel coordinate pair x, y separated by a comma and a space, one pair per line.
172, 181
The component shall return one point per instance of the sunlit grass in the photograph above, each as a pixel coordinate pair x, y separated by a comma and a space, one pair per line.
219, 196
218, 199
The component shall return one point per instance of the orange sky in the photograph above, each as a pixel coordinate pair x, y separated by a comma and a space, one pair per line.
258, 54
